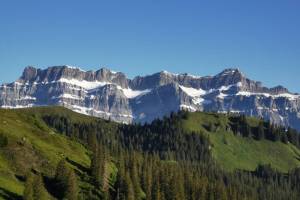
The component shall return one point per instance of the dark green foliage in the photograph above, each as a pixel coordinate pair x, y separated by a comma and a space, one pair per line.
162, 161
3, 140
99, 168
66, 181
128, 187
34, 188
71, 192
293, 136
265, 171
264, 130
39, 189
28, 190
260, 131
61, 177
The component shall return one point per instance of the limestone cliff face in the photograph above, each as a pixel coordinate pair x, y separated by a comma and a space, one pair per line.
112, 95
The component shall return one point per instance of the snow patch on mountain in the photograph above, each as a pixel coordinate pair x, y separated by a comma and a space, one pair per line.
17, 106
192, 91
187, 107
283, 95
83, 83
90, 85
27, 98
88, 111
129, 93
74, 67
68, 96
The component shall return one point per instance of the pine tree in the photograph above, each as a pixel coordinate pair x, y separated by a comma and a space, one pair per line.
156, 191
147, 180
119, 186
94, 163
34, 188
71, 192
134, 175
61, 177
284, 138
210, 193
104, 170
39, 189
129, 187
277, 135
220, 191
66, 181
260, 131
3, 140
28, 191
61, 171
92, 141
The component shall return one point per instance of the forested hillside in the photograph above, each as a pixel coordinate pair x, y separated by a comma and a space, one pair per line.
54, 153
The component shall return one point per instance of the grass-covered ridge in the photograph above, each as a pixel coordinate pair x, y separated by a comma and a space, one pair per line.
237, 152
32, 144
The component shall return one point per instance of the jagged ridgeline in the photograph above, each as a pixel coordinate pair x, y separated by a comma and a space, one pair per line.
54, 153
111, 95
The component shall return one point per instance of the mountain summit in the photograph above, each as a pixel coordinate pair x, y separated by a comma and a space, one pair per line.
111, 95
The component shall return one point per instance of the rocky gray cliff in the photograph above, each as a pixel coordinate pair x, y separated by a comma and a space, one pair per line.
109, 94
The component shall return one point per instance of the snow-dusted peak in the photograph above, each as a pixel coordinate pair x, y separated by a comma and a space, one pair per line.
74, 68
167, 73
230, 71
107, 70
191, 75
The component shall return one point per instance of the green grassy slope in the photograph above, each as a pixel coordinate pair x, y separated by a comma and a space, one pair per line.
236, 152
31, 144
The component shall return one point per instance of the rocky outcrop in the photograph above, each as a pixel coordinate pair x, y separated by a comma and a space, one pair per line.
111, 95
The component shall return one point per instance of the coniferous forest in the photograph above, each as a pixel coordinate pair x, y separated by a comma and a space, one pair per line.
161, 161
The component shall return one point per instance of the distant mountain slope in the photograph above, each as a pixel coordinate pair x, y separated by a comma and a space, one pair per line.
109, 94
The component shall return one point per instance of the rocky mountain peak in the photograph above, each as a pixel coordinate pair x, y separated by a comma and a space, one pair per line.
106, 71
231, 72
279, 90
166, 73
29, 73
108, 94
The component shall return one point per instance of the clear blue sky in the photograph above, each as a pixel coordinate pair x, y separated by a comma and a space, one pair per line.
260, 37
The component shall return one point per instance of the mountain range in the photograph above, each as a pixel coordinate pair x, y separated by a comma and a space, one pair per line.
111, 95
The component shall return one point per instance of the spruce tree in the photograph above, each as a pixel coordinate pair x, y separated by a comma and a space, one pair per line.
28, 191
61, 177
260, 131
156, 191
66, 181
120, 185
39, 189
71, 192
129, 187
